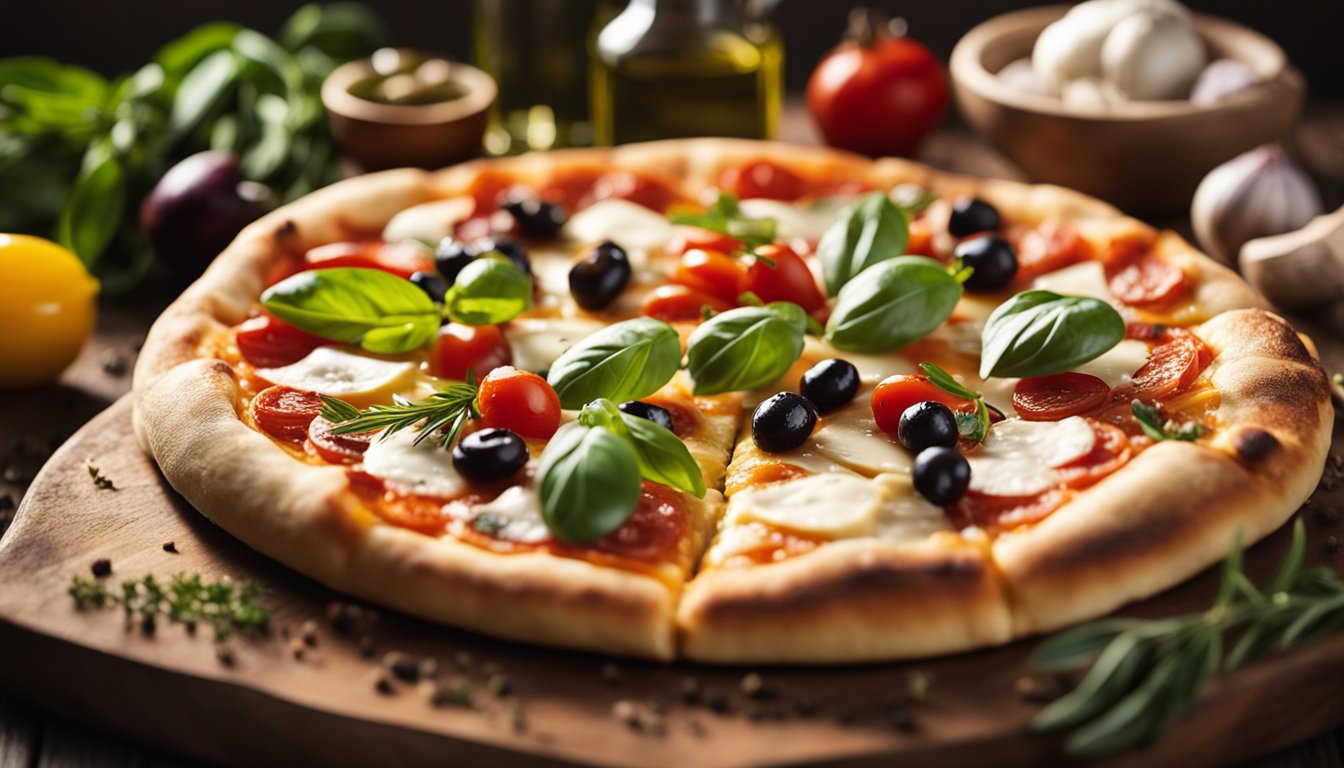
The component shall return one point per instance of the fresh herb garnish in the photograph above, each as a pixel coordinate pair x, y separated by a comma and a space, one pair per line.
1039, 333
589, 483
972, 426
488, 291
725, 216
625, 361
1153, 424
745, 347
866, 233
891, 304
1147, 672
662, 456
446, 410
99, 479
225, 605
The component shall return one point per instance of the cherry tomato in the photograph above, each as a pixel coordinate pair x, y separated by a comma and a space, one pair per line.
337, 449
1147, 281
896, 393
648, 192
48, 308
877, 93
709, 241
763, 179
284, 412
461, 348
712, 272
1108, 454
654, 529
789, 279
677, 303
401, 259
1171, 368
519, 401
998, 513
266, 341
1046, 249
1051, 398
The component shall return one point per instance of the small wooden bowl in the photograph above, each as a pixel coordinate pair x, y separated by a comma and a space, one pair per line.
1147, 157
375, 136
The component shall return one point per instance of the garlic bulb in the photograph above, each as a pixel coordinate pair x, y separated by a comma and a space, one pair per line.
1253, 195
1153, 55
1021, 76
1070, 48
1220, 78
1088, 91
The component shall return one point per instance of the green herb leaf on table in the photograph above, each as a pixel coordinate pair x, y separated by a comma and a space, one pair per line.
866, 233
972, 426
746, 347
725, 216
1155, 426
891, 304
487, 292
225, 606
590, 483
662, 456
443, 412
93, 211
625, 361
374, 309
1039, 333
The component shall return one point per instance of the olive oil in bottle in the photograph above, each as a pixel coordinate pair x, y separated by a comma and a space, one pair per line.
675, 68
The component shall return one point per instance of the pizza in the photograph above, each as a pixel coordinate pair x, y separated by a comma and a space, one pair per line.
729, 401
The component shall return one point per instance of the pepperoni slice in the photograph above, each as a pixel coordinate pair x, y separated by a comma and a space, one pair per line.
642, 190
997, 513
1051, 398
285, 413
1171, 368
1110, 452
267, 341
337, 449
654, 529
1147, 281
1046, 249
677, 303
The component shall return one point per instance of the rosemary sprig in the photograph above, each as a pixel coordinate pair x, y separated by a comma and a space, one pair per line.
726, 216
226, 606
1145, 673
446, 410
103, 482
1156, 427
972, 426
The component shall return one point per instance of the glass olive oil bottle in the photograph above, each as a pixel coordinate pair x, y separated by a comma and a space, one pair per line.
674, 68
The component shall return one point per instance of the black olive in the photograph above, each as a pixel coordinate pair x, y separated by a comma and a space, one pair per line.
490, 454
830, 384
536, 219
451, 257
926, 425
941, 475
971, 215
783, 422
655, 413
600, 276
993, 260
510, 247
431, 284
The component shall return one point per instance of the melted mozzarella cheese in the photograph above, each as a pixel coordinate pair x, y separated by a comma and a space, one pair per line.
1118, 365
551, 270
850, 437
430, 222
425, 469
629, 225
332, 371
872, 368
536, 342
834, 506
805, 222
1018, 457
905, 515
517, 511
1085, 279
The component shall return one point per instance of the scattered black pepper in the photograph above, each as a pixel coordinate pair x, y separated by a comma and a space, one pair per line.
383, 685
308, 633
170, 547
498, 685
345, 617
114, 362
101, 567
454, 692
225, 656
297, 649
148, 624
401, 665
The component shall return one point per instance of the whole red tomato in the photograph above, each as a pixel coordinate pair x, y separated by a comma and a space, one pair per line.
878, 92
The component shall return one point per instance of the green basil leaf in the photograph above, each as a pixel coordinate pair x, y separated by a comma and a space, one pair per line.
891, 304
202, 90
1039, 333
379, 311
604, 413
1158, 428
92, 213
663, 457
625, 361
341, 31
944, 381
487, 292
867, 233
589, 483
745, 347
726, 217
181, 55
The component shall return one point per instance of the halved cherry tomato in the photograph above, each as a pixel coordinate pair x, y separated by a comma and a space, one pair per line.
284, 412
712, 272
1147, 281
401, 259
677, 303
1051, 398
642, 190
1110, 452
789, 279
520, 401
460, 348
998, 513
763, 179
709, 241
1171, 368
337, 449
654, 529
266, 341
896, 393
1046, 249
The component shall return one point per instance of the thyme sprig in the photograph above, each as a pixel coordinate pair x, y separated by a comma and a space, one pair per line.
1145, 673
225, 605
446, 410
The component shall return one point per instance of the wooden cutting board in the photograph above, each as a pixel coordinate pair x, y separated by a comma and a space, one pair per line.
170, 689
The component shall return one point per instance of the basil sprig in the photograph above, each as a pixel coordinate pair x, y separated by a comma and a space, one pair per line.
625, 361
891, 304
662, 456
726, 216
589, 483
1039, 333
1158, 428
745, 347
386, 314
972, 426
870, 231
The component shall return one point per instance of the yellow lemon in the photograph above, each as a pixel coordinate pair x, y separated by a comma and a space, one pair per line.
47, 309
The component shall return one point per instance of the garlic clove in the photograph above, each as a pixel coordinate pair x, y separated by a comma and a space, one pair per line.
1070, 48
1021, 76
1089, 91
1299, 269
1256, 194
1152, 55
1221, 78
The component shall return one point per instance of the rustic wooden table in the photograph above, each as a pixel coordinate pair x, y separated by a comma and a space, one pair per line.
34, 422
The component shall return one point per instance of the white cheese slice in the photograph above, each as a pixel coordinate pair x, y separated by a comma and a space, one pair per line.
1084, 279
1118, 365
872, 368
551, 270
629, 225
430, 222
804, 222
518, 509
735, 540
905, 515
335, 372
851, 438
536, 342
425, 469
1018, 457
834, 506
